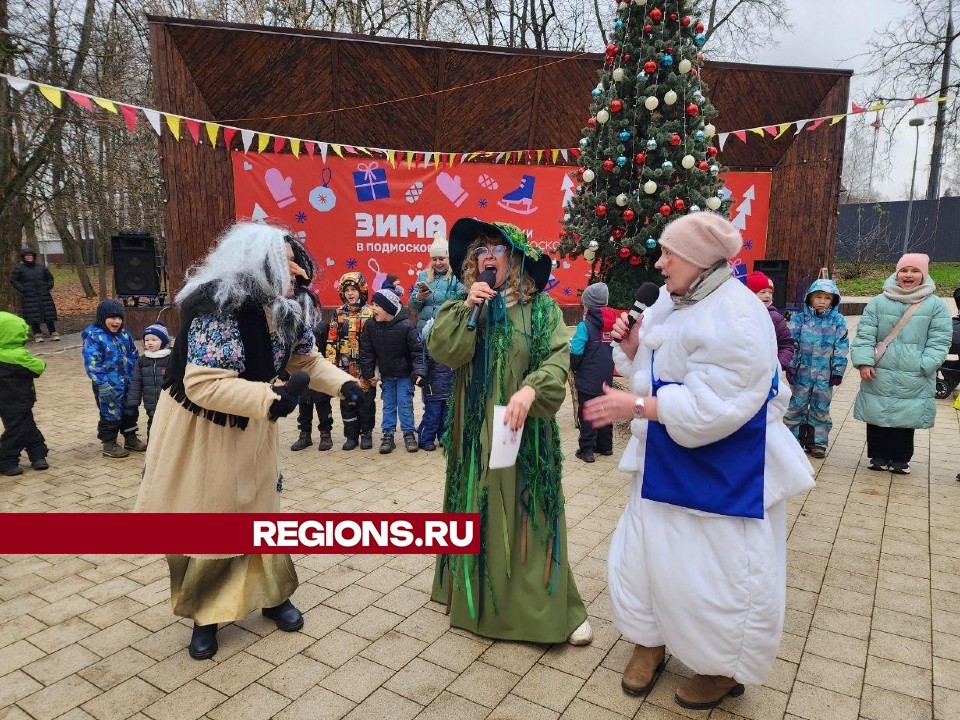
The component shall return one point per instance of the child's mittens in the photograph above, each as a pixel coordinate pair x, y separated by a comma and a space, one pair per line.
289, 394
351, 391
835, 380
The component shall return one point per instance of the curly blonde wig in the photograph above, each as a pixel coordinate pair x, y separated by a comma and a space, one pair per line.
512, 283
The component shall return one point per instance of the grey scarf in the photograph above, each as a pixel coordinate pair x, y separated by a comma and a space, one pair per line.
908, 297
710, 279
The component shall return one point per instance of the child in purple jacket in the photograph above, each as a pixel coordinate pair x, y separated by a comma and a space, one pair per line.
762, 287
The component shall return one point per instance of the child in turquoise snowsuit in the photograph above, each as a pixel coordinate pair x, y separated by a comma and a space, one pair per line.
818, 365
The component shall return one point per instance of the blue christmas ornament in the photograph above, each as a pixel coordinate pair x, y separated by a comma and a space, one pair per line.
596, 92
699, 135
624, 135
699, 39
584, 142
667, 165
617, 24
651, 144
667, 61
621, 161
651, 243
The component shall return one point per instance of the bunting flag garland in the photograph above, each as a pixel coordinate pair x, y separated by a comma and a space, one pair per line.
174, 123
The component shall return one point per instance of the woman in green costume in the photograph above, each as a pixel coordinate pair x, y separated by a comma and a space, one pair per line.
520, 586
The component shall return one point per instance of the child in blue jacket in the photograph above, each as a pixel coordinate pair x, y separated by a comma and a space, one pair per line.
437, 388
591, 360
109, 357
818, 366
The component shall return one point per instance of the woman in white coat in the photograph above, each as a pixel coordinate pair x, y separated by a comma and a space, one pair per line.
698, 560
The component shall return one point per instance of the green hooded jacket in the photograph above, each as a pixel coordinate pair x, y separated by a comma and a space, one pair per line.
14, 332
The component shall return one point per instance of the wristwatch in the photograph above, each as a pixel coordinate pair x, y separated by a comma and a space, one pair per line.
639, 408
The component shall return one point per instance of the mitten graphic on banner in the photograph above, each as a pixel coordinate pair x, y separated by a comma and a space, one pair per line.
451, 187
279, 187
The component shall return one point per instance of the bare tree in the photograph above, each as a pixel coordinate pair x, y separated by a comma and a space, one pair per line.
736, 28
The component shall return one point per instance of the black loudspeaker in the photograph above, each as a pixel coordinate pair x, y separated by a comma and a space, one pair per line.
135, 266
778, 271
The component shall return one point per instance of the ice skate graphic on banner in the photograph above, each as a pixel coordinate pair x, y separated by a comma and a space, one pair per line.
323, 198
520, 201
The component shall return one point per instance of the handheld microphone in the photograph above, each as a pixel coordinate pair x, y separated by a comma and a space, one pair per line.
645, 296
488, 276
298, 383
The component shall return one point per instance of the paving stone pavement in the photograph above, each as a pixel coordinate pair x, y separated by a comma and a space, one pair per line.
872, 627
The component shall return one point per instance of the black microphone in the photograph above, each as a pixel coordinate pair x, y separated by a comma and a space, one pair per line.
488, 276
298, 382
645, 296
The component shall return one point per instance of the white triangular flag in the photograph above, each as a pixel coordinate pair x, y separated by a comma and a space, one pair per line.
154, 117
426, 159
499, 157
247, 137
18, 84
722, 139
323, 150
258, 214
563, 152
800, 124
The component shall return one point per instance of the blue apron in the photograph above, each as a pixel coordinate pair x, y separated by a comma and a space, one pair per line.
724, 477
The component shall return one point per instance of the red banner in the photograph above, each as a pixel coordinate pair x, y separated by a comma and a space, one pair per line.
238, 534
370, 215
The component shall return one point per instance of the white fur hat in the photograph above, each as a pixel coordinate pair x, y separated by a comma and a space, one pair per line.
439, 248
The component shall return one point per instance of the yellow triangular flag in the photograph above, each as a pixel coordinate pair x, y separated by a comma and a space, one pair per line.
409, 159
879, 106
836, 118
451, 158
173, 122
337, 149
295, 147
392, 157
51, 94
436, 160
539, 156
757, 131
212, 130
366, 151
262, 141
783, 128
106, 104
945, 98
553, 156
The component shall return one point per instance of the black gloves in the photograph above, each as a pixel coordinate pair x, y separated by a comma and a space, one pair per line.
289, 395
351, 392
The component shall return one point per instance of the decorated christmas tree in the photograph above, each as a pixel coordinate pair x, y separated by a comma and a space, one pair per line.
647, 153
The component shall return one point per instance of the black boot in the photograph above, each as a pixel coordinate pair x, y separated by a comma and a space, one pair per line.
132, 442
387, 445
366, 441
410, 442
350, 444
203, 644
326, 442
303, 442
285, 615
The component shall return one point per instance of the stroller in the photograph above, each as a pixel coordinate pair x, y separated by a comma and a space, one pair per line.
948, 376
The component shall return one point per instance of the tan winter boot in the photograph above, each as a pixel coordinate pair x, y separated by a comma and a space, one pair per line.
702, 692
112, 450
644, 668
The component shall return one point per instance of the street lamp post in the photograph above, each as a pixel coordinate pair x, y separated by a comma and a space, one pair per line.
915, 122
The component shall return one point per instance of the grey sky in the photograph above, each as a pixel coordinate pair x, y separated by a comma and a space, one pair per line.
827, 31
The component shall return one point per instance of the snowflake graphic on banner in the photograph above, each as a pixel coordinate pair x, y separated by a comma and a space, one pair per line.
482, 202
351, 263
301, 217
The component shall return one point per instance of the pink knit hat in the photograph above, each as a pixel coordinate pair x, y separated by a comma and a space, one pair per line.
702, 238
917, 260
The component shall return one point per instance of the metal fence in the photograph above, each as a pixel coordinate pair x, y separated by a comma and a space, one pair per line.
874, 232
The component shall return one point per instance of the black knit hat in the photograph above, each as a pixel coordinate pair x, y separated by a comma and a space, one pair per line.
108, 309
388, 300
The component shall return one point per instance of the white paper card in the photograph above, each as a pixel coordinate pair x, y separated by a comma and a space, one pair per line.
506, 442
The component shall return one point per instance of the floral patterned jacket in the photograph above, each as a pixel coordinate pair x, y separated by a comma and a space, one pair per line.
343, 337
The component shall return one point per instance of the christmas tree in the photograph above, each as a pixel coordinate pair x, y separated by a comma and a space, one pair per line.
647, 153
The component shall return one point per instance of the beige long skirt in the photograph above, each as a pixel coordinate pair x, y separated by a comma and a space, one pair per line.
225, 590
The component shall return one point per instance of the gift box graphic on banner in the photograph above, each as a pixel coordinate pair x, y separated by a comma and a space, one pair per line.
370, 182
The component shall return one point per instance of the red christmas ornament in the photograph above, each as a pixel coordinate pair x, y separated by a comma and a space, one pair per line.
634, 260
703, 165
649, 67
592, 122
580, 173
669, 51
626, 57
693, 110
675, 139
608, 164
624, 252
694, 72
673, 17
686, 20
612, 49
617, 233
699, 27
646, 221
616, 105
629, 215
656, 15
679, 205
665, 210
648, 28
601, 210
640, 159
712, 151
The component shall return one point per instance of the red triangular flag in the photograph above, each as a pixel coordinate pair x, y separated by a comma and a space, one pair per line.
130, 115
741, 135
876, 124
278, 143
816, 123
918, 100
228, 133
81, 99
771, 130
194, 127
575, 152
857, 109
311, 148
